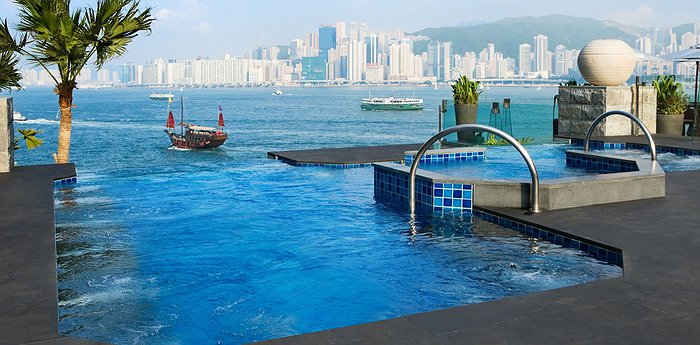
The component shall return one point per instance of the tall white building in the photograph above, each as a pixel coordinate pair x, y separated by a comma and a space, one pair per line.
524, 59
541, 57
560, 62
446, 66
644, 45
357, 60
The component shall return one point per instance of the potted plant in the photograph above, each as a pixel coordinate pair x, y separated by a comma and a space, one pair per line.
465, 93
671, 104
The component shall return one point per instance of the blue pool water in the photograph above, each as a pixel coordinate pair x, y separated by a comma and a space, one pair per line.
163, 246
505, 163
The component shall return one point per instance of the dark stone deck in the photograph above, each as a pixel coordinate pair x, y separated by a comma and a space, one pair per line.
28, 295
345, 155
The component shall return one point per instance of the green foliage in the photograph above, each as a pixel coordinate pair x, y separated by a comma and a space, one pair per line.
68, 39
570, 82
670, 97
465, 91
9, 74
493, 141
30, 139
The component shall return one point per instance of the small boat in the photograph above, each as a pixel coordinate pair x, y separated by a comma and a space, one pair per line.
16, 116
391, 103
161, 96
194, 136
278, 92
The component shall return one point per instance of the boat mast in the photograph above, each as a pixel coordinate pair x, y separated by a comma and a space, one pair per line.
182, 114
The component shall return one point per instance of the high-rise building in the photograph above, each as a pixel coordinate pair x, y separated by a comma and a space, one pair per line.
296, 49
433, 60
326, 39
372, 42
644, 45
447, 62
560, 63
353, 31
312, 44
541, 56
524, 59
362, 32
357, 60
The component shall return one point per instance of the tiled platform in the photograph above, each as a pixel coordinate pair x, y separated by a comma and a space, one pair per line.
345, 156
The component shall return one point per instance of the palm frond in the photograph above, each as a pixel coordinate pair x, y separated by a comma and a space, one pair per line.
30, 139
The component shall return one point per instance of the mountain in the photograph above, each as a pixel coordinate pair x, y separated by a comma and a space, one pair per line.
506, 34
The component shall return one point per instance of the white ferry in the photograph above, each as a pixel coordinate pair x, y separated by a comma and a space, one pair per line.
391, 103
161, 96
17, 116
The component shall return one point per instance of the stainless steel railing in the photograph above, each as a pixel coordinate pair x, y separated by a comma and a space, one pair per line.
534, 186
652, 145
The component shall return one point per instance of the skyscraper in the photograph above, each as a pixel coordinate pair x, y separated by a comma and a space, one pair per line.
560, 63
326, 39
447, 62
372, 43
357, 57
524, 59
541, 49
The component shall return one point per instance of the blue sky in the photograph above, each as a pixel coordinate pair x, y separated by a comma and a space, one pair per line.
191, 28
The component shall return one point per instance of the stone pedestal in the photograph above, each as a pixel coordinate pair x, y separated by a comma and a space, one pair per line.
579, 106
7, 147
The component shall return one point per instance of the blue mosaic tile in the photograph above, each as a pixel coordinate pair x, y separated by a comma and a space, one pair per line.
65, 182
599, 164
608, 255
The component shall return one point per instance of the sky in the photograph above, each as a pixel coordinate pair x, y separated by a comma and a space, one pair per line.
211, 28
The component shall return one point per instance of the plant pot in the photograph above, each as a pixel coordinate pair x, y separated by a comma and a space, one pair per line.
669, 124
465, 114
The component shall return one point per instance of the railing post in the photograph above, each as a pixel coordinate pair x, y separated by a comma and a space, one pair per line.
652, 145
534, 186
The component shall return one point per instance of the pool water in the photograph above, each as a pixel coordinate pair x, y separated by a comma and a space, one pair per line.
505, 163
668, 161
163, 246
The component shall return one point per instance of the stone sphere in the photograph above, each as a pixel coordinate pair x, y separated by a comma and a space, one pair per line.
606, 62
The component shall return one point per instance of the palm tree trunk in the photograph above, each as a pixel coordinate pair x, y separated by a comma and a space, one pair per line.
65, 103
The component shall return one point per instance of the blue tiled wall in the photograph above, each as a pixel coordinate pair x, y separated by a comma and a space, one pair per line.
599, 164
664, 149
611, 256
65, 181
453, 196
599, 145
390, 185
447, 157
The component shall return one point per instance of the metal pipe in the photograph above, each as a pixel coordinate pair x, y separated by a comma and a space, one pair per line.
652, 145
534, 186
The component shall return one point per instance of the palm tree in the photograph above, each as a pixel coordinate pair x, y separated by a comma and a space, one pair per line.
70, 39
9, 74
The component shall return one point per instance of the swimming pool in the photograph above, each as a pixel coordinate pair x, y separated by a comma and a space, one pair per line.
263, 250
160, 246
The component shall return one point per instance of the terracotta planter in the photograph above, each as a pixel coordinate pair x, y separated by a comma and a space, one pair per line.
465, 114
669, 124
606, 62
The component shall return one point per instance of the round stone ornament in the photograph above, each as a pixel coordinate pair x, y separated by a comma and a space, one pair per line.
606, 62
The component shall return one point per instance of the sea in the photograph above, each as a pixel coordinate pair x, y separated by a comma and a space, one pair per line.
158, 245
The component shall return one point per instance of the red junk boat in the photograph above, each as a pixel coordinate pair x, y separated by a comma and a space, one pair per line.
194, 136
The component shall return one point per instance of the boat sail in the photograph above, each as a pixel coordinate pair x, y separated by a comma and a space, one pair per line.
193, 136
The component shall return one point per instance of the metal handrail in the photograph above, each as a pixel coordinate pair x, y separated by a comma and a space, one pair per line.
652, 145
534, 186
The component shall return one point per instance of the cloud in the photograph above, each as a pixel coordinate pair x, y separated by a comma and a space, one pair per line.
642, 15
202, 27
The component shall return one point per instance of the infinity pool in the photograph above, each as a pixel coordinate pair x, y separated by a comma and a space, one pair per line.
256, 250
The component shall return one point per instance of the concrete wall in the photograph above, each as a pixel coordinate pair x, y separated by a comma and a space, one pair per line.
580, 105
7, 148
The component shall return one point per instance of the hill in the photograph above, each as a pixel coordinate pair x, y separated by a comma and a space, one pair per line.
508, 33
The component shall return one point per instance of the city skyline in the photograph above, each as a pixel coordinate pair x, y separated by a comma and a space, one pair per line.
210, 27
